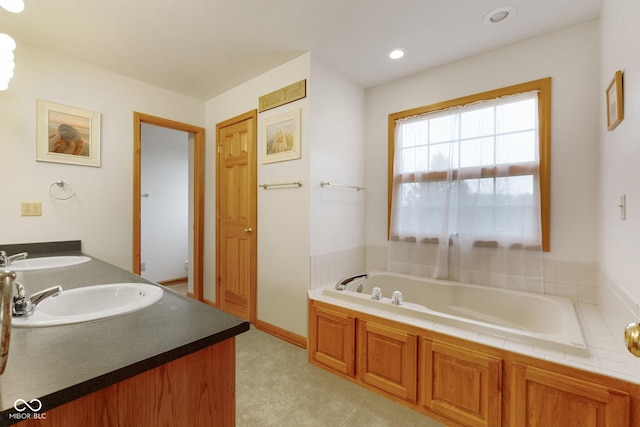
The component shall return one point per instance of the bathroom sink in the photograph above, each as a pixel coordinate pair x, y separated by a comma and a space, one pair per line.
90, 303
48, 262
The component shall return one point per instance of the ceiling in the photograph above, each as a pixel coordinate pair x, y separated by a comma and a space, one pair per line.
202, 48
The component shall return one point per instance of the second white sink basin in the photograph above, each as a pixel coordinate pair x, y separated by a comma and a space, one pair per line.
48, 262
90, 303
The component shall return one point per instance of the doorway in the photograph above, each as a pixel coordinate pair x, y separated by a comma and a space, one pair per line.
236, 216
196, 202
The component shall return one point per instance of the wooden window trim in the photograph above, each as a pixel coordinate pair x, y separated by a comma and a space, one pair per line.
543, 86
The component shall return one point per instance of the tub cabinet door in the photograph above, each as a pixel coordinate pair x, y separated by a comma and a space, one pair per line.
387, 359
332, 339
545, 398
461, 384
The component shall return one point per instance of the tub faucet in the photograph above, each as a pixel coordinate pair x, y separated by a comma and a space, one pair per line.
23, 304
397, 298
342, 283
6, 260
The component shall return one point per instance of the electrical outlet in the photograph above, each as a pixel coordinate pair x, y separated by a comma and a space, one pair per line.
31, 209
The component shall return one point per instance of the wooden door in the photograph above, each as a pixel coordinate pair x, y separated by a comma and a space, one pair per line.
236, 246
332, 339
543, 398
387, 359
461, 384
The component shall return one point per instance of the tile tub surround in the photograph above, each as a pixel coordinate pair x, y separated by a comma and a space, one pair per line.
603, 308
60, 364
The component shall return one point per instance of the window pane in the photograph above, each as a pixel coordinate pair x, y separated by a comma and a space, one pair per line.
443, 129
516, 147
415, 133
514, 199
514, 191
442, 157
477, 123
476, 152
516, 116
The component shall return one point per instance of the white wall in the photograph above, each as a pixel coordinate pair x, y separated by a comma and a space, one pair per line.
337, 155
165, 212
296, 223
571, 58
283, 214
620, 148
101, 213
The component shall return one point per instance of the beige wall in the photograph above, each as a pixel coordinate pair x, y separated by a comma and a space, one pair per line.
619, 241
101, 213
571, 58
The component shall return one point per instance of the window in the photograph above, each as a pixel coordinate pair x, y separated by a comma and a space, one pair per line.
490, 151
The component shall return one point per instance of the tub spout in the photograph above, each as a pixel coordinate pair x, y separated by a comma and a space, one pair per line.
342, 283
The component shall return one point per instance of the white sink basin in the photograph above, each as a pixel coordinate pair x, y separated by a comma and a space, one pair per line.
48, 262
90, 303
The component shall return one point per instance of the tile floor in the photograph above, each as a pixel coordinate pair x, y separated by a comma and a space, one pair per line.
276, 386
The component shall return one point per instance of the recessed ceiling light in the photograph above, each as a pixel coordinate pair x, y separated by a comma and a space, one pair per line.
499, 15
397, 53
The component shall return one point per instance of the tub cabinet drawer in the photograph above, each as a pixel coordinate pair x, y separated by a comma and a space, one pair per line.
461, 384
387, 359
544, 398
332, 339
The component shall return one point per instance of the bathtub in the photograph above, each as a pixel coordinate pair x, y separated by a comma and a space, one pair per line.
540, 320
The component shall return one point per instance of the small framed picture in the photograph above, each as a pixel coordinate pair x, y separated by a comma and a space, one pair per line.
281, 137
67, 134
615, 102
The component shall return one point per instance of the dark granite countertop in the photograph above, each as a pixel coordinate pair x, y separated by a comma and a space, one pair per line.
58, 364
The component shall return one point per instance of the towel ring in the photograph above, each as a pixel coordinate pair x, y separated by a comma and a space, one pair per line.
60, 190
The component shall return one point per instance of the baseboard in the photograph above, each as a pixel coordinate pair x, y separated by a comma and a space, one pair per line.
174, 281
283, 334
270, 329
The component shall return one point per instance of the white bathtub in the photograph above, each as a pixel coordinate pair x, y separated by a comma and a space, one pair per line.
540, 320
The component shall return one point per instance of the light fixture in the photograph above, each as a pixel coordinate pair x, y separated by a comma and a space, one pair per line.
14, 6
7, 46
397, 53
499, 15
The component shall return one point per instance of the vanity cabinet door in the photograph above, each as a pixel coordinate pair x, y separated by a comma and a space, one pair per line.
543, 398
387, 359
461, 384
332, 339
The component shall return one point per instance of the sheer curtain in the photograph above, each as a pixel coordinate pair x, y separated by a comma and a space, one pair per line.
466, 199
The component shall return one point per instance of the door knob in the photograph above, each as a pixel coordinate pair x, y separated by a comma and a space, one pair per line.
248, 230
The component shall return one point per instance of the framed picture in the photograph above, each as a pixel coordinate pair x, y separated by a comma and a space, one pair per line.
281, 136
67, 134
615, 104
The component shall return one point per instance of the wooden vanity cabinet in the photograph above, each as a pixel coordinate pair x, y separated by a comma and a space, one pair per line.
463, 383
460, 384
332, 341
545, 398
387, 359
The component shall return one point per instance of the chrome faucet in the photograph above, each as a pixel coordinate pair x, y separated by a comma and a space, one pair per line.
23, 304
7, 278
342, 283
5, 261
